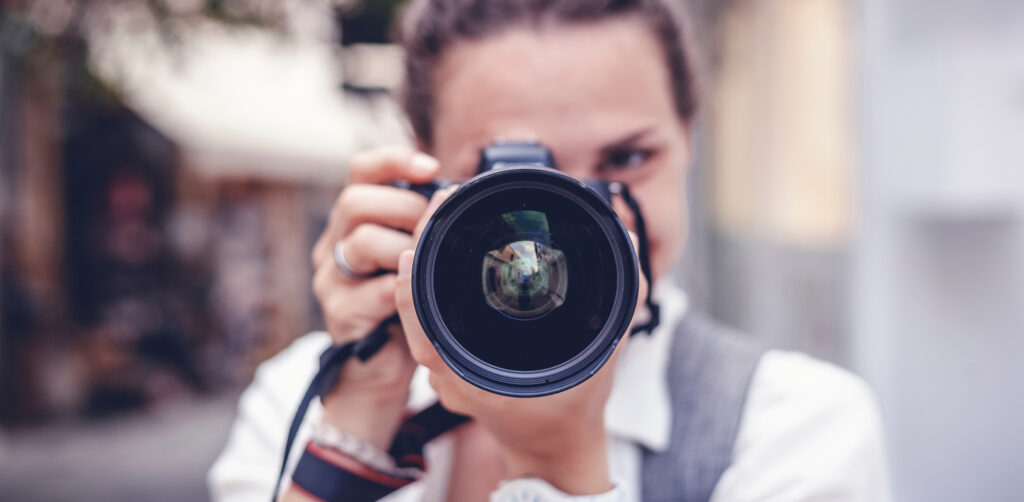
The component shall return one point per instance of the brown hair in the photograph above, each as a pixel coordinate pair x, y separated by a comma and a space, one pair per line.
431, 26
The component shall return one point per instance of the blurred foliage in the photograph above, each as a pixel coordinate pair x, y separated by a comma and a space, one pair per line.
46, 39
36, 30
38, 36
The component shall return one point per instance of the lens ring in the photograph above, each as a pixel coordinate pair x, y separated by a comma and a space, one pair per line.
535, 382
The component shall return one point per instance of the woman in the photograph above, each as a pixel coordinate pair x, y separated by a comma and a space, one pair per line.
688, 413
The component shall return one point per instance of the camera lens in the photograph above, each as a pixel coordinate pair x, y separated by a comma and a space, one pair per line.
525, 280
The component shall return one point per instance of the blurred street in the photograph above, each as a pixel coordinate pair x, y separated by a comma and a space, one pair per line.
160, 455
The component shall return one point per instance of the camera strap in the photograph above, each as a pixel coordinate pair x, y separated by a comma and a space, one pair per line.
407, 447
643, 254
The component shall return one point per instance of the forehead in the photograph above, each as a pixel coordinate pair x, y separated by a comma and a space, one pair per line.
569, 85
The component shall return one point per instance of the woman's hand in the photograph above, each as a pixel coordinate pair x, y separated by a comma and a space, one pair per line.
372, 221
559, 438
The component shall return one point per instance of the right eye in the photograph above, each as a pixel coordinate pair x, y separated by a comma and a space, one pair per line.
625, 160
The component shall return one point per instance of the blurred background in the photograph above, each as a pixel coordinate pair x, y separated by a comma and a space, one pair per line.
165, 166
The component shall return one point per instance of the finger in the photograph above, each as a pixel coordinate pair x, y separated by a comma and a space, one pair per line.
354, 313
625, 214
435, 202
357, 204
419, 346
371, 247
388, 206
643, 277
395, 347
644, 286
387, 164
352, 310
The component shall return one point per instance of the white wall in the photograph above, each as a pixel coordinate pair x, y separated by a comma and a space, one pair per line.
938, 278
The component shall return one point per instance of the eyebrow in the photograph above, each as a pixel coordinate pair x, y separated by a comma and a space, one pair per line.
627, 140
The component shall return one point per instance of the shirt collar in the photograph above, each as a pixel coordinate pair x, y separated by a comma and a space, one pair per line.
639, 407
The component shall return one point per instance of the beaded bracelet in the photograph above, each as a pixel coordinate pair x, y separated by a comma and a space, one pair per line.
373, 457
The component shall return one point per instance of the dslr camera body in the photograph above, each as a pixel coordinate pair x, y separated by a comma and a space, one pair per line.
525, 279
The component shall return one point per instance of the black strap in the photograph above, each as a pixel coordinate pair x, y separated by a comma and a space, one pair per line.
414, 433
329, 482
644, 252
330, 365
420, 429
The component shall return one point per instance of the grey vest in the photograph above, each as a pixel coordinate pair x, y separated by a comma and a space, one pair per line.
709, 374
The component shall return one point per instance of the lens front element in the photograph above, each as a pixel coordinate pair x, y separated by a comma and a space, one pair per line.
526, 278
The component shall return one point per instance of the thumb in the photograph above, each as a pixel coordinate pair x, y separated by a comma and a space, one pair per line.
644, 286
419, 345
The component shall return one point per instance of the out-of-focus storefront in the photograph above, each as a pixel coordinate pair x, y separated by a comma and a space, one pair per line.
165, 174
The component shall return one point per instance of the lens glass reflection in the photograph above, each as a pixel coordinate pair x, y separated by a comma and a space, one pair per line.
525, 278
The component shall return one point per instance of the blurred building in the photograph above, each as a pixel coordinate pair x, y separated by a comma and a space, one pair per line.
165, 174
860, 196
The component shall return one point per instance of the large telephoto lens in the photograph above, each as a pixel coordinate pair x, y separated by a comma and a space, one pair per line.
525, 280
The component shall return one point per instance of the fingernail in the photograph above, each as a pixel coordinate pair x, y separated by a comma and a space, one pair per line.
405, 264
423, 164
446, 192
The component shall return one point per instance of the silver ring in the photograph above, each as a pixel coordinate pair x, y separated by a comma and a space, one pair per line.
342, 263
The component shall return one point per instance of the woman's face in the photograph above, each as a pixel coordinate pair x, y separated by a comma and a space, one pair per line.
597, 94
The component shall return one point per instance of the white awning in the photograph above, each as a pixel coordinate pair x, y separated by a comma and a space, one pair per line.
242, 101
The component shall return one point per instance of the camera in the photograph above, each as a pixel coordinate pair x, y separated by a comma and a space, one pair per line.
524, 279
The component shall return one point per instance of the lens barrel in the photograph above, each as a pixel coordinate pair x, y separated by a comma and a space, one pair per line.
525, 281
